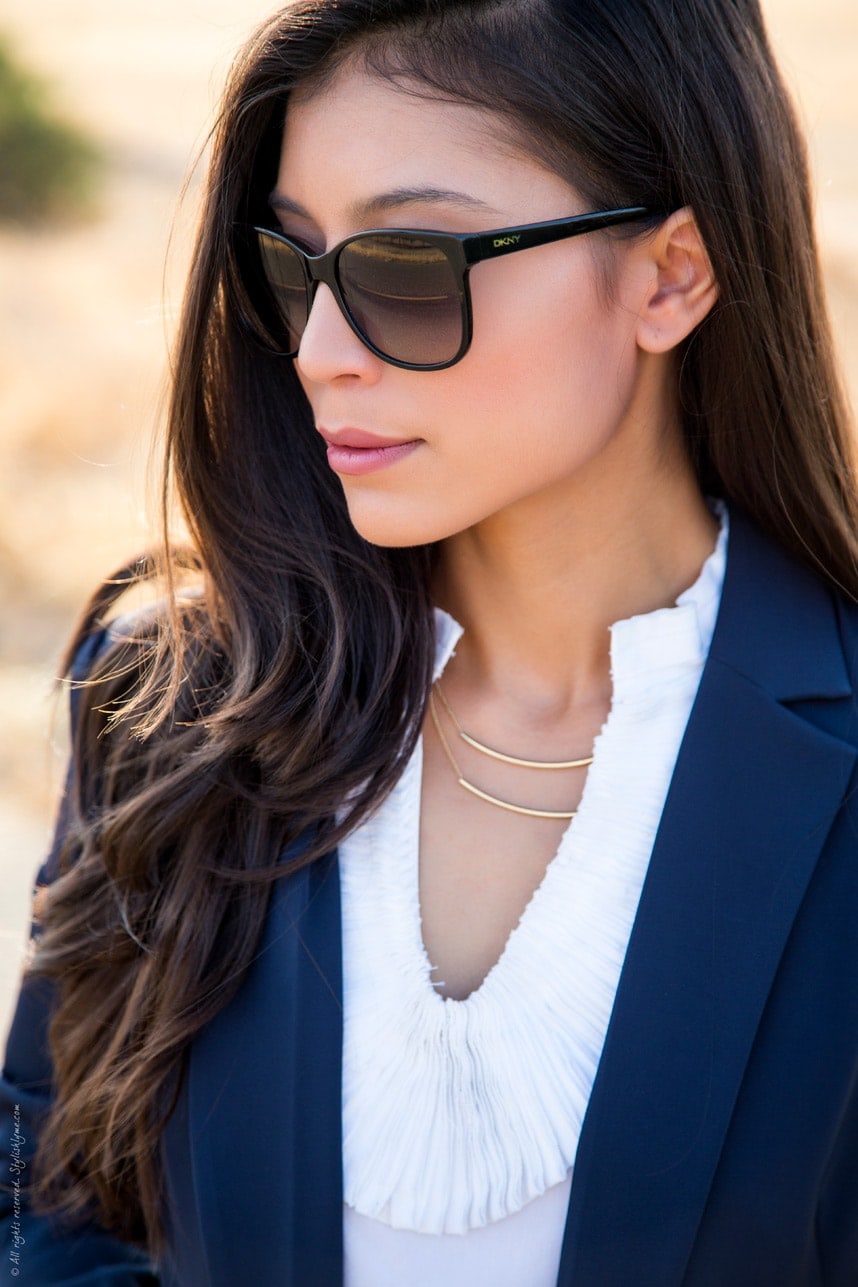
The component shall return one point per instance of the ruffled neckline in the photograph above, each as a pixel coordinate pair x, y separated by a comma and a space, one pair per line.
456, 1113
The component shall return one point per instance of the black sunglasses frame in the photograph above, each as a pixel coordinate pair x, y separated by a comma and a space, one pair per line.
462, 251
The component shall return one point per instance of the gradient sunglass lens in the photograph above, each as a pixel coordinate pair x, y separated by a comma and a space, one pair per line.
400, 292
283, 305
403, 294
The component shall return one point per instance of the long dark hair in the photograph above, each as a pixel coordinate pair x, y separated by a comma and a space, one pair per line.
284, 696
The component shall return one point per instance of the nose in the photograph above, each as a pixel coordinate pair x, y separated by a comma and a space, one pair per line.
329, 348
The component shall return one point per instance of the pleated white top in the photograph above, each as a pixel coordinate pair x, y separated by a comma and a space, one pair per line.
461, 1119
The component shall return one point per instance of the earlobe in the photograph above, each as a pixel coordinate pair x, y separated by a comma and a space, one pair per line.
681, 286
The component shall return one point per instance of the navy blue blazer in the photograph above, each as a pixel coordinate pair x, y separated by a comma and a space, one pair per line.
720, 1145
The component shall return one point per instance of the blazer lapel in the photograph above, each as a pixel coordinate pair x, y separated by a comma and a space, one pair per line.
260, 1126
752, 799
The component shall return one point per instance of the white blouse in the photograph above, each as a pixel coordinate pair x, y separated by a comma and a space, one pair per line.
461, 1118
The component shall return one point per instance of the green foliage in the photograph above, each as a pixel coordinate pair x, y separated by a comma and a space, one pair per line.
48, 169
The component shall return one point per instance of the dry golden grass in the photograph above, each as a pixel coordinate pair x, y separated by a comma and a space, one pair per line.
87, 315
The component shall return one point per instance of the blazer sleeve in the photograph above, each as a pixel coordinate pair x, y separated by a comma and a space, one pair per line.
39, 1249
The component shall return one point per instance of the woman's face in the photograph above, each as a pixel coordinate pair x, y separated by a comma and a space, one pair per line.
546, 406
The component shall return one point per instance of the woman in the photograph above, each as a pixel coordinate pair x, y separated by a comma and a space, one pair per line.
457, 884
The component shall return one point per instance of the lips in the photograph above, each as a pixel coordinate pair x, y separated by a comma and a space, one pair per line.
354, 451
360, 439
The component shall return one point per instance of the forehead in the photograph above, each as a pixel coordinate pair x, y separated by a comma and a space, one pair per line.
357, 136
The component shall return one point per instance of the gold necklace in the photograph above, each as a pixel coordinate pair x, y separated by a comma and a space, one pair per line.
484, 795
499, 755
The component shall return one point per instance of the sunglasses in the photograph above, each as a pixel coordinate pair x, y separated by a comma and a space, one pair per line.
404, 293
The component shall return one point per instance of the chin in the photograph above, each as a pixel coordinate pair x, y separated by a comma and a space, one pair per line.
396, 527
392, 536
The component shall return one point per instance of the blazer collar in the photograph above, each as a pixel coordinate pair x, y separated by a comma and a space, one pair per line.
753, 796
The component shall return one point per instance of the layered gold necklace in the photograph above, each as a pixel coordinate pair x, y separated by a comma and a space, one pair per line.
516, 760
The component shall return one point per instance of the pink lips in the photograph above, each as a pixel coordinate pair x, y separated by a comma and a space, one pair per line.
355, 451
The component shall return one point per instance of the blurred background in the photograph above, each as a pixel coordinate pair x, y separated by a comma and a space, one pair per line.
116, 100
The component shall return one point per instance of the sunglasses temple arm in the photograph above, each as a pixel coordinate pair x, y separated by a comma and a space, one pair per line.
505, 241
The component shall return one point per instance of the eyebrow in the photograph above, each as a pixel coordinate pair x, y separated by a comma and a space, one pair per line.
388, 201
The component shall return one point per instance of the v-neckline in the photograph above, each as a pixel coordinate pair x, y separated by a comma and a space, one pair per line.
646, 645
413, 894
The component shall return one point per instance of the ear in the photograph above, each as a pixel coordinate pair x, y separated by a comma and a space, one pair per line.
681, 286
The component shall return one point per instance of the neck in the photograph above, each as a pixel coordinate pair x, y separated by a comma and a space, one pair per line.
538, 586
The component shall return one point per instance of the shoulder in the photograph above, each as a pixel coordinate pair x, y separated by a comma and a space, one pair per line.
779, 616
165, 591
101, 656
158, 628
128, 675
117, 675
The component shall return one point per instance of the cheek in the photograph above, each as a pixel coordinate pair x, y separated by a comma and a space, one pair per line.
554, 374
556, 322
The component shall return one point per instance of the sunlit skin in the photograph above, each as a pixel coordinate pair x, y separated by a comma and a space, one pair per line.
550, 463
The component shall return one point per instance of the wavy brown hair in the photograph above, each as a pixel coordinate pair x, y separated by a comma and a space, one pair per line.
283, 699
